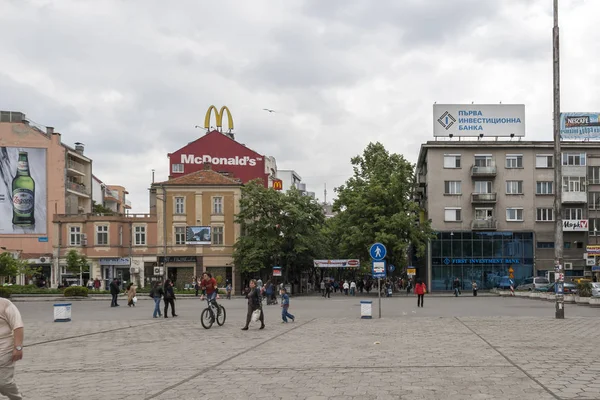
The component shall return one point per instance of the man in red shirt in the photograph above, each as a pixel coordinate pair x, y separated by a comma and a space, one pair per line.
209, 287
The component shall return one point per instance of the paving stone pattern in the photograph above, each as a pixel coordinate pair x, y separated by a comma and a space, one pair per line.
330, 355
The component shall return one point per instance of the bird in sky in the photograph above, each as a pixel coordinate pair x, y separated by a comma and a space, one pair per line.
269, 110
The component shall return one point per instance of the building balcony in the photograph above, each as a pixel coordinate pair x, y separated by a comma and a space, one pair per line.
481, 198
478, 171
75, 168
574, 197
128, 204
484, 225
77, 188
111, 195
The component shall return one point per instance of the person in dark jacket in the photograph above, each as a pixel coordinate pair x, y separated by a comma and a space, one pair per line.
169, 297
254, 304
114, 291
156, 293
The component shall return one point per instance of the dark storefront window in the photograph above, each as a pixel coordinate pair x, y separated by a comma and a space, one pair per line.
483, 257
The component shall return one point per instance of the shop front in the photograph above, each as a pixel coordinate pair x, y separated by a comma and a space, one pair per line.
180, 269
488, 258
111, 268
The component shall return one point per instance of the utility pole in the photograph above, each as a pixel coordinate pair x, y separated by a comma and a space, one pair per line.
558, 233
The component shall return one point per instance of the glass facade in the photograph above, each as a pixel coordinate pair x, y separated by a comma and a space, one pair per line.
483, 257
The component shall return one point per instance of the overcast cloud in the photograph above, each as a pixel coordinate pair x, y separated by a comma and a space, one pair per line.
131, 79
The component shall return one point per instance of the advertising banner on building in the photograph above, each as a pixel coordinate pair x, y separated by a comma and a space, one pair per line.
579, 125
592, 249
23, 190
337, 263
575, 225
197, 235
474, 120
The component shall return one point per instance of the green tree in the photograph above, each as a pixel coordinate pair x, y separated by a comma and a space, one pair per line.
376, 205
100, 209
11, 266
76, 263
277, 229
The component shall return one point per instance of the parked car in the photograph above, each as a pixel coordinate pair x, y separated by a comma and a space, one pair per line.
533, 283
595, 289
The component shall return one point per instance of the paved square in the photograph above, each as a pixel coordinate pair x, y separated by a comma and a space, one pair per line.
454, 348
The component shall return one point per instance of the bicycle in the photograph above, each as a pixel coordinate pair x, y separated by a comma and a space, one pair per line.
207, 318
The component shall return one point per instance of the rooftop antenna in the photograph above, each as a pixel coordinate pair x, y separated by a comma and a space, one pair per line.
325, 194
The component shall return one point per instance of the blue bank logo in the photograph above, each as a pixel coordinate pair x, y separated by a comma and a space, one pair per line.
446, 120
446, 261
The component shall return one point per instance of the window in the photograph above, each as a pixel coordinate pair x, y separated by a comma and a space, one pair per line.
567, 245
177, 168
575, 159
594, 175
102, 235
543, 160
74, 236
452, 214
217, 205
573, 184
483, 187
452, 187
544, 187
594, 226
179, 205
217, 235
451, 160
140, 235
484, 161
514, 187
180, 235
573, 213
594, 200
545, 245
514, 214
514, 161
483, 214
544, 214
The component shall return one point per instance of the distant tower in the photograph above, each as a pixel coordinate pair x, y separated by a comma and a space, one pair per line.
325, 194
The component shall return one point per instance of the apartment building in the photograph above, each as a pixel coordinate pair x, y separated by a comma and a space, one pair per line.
40, 177
112, 197
196, 226
491, 205
116, 246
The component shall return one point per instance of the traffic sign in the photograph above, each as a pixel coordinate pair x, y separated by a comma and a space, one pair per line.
378, 251
378, 269
391, 268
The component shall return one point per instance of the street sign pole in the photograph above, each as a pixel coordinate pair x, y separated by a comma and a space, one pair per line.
379, 290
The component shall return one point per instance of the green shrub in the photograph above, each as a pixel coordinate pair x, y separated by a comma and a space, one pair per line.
584, 289
76, 291
5, 292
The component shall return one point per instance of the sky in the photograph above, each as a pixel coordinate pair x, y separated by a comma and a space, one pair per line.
132, 78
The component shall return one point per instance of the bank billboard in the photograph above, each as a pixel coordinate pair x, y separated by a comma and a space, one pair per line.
579, 125
197, 235
23, 190
478, 120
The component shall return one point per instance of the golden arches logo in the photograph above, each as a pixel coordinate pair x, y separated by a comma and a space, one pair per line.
219, 116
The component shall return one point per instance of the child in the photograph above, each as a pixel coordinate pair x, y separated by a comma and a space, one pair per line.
228, 288
285, 305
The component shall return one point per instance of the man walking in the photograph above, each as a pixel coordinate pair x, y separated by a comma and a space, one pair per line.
114, 291
11, 348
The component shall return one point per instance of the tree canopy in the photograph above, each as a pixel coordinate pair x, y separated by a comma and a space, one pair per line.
11, 266
376, 205
76, 262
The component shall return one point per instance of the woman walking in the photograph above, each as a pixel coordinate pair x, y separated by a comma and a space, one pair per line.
254, 304
131, 293
169, 296
420, 290
156, 293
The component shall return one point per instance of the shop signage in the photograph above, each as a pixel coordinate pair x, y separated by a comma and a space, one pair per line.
114, 261
277, 184
592, 249
276, 271
575, 225
449, 261
170, 259
337, 263
204, 159
218, 116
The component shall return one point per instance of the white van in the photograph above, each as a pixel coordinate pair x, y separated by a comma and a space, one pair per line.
533, 283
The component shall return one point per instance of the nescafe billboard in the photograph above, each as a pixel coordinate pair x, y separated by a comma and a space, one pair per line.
223, 154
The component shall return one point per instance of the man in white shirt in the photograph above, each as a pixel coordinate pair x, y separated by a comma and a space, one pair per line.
11, 348
353, 288
346, 287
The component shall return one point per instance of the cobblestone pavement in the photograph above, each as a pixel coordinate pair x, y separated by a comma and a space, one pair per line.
465, 348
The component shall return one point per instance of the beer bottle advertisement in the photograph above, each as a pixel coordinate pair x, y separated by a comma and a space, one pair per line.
23, 195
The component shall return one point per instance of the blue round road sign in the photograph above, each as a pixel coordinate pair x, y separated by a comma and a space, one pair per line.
378, 251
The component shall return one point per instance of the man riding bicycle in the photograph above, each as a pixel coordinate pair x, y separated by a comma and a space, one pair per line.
208, 285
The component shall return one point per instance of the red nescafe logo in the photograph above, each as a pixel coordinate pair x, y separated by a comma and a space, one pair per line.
353, 263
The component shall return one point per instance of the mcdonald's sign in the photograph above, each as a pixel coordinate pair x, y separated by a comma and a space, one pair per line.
219, 116
277, 184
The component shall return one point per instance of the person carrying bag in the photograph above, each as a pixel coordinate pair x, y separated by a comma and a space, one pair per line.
255, 312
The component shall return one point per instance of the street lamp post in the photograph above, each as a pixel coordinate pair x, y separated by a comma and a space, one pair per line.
558, 233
